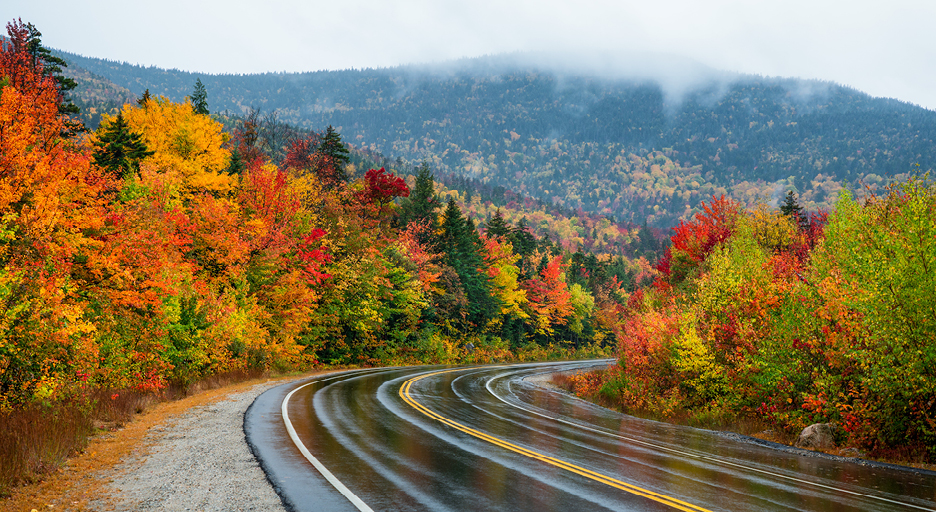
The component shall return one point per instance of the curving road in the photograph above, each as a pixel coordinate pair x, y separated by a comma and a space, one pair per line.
484, 438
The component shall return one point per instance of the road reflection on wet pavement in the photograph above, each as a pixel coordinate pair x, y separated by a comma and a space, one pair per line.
484, 438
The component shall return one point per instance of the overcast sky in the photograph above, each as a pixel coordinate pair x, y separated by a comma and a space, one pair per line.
885, 48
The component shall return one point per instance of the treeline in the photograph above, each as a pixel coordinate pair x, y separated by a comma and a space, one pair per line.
163, 248
617, 147
572, 230
792, 319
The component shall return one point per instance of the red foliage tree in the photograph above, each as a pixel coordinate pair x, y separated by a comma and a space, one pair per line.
693, 241
302, 157
274, 206
380, 189
312, 256
266, 197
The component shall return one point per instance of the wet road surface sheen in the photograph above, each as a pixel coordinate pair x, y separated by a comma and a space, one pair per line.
433, 438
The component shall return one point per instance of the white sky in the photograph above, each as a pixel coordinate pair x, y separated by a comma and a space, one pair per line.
885, 48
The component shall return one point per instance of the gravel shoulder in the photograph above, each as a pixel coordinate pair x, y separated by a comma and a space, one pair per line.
198, 460
189, 454
543, 380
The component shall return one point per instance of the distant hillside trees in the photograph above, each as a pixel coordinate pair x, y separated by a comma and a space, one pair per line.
613, 146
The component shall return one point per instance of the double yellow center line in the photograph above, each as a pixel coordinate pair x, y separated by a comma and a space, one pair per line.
598, 477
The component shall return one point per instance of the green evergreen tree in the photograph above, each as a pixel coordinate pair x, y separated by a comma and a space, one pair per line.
648, 245
118, 149
792, 209
332, 147
575, 270
497, 226
143, 99
461, 245
422, 203
595, 271
524, 244
52, 66
200, 98
543, 263
235, 164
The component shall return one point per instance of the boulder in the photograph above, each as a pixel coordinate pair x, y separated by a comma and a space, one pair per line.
819, 436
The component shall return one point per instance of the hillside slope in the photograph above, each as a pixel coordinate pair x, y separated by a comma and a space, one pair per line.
639, 143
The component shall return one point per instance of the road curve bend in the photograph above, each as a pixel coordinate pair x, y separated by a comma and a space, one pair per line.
487, 438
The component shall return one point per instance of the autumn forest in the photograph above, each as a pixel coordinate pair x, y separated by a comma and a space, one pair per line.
165, 243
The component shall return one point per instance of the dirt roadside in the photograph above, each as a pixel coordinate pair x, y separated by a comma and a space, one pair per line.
153, 462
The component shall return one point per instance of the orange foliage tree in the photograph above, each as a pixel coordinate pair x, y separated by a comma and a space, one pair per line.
548, 297
49, 202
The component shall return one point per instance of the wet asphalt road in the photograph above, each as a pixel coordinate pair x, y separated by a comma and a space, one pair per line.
483, 438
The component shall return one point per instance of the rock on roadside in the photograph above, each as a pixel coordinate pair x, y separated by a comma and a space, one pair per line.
817, 436
196, 461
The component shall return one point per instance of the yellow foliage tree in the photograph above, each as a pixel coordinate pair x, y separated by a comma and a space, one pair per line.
183, 142
583, 306
772, 229
702, 378
504, 274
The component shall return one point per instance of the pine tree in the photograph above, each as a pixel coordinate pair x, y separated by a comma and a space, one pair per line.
236, 164
200, 98
119, 150
461, 245
497, 226
524, 243
332, 147
543, 263
422, 203
143, 99
648, 245
452, 231
792, 209
52, 66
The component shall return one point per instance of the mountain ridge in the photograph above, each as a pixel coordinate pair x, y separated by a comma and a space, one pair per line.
636, 148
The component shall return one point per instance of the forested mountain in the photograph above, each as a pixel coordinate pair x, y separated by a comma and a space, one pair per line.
170, 244
96, 96
639, 149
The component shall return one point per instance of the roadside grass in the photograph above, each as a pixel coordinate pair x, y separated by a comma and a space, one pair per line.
37, 440
727, 421
711, 418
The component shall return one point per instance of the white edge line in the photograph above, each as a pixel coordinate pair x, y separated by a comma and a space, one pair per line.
315, 462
